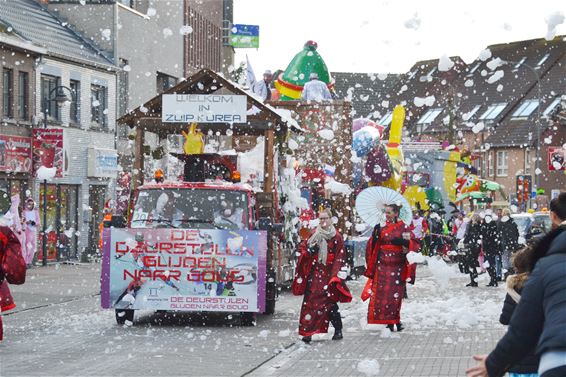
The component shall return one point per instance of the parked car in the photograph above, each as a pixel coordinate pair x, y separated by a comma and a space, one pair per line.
532, 225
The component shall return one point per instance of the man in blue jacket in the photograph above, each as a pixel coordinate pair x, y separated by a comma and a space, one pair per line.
539, 321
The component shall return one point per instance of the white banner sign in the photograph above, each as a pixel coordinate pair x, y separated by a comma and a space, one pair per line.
214, 108
102, 163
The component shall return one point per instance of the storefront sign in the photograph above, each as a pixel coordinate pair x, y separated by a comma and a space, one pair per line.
556, 158
215, 108
184, 269
48, 149
244, 36
15, 154
102, 163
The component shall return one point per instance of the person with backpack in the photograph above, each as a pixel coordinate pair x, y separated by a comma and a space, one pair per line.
12, 269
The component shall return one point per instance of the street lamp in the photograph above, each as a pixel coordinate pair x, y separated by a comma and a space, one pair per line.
537, 122
60, 98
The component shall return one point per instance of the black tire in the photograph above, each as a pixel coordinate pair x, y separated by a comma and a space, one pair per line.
247, 319
124, 315
270, 293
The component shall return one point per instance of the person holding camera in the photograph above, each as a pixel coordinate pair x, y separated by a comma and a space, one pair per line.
321, 277
31, 222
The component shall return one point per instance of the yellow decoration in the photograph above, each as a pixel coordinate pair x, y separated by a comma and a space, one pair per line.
194, 140
450, 168
394, 151
414, 195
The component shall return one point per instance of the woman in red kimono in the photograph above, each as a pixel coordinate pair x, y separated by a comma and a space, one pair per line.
320, 276
12, 269
386, 269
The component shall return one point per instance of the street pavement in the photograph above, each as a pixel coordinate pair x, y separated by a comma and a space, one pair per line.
59, 329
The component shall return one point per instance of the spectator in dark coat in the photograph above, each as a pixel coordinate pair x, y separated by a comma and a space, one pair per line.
491, 244
539, 319
472, 241
509, 239
522, 263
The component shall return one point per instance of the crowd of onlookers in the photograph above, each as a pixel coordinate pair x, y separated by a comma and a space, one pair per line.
535, 305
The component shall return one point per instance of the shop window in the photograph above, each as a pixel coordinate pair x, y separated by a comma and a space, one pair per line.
75, 109
48, 85
99, 102
23, 95
7, 93
502, 165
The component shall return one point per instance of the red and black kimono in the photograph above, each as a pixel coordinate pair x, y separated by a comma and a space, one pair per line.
321, 286
12, 269
387, 270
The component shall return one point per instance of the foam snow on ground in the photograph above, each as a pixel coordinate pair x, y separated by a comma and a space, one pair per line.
413, 257
369, 367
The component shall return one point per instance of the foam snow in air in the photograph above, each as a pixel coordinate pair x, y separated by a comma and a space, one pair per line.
495, 77
428, 101
369, 367
235, 243
185, 30
326, 134
494, 63
485, 54
445, 64
552, 21
413, 22
44, 173
413, 257
292, 144
338, 188
478, 127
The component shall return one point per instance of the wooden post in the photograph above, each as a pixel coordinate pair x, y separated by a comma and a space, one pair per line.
138, 159
269, 156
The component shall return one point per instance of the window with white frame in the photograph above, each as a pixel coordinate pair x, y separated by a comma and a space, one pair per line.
541, 61
386, 119
474, 68
490, 164
467, 116
493, 111
520, 62
502, 164
429, 116
551, 107
526, 109
527, 161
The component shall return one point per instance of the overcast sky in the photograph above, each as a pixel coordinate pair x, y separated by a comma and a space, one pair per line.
383, 36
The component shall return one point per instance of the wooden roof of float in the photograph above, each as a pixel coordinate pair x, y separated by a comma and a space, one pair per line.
205, 81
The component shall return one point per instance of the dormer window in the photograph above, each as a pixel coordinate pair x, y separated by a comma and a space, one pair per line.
467, 116
541, 61
520, 63
493, 111
386, 119
474, 68
551, 107
526, 109
429, 116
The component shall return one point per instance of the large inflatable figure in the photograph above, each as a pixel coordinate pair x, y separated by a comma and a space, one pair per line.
291, 82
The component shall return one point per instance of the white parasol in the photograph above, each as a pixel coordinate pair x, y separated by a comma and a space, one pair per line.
371, 203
